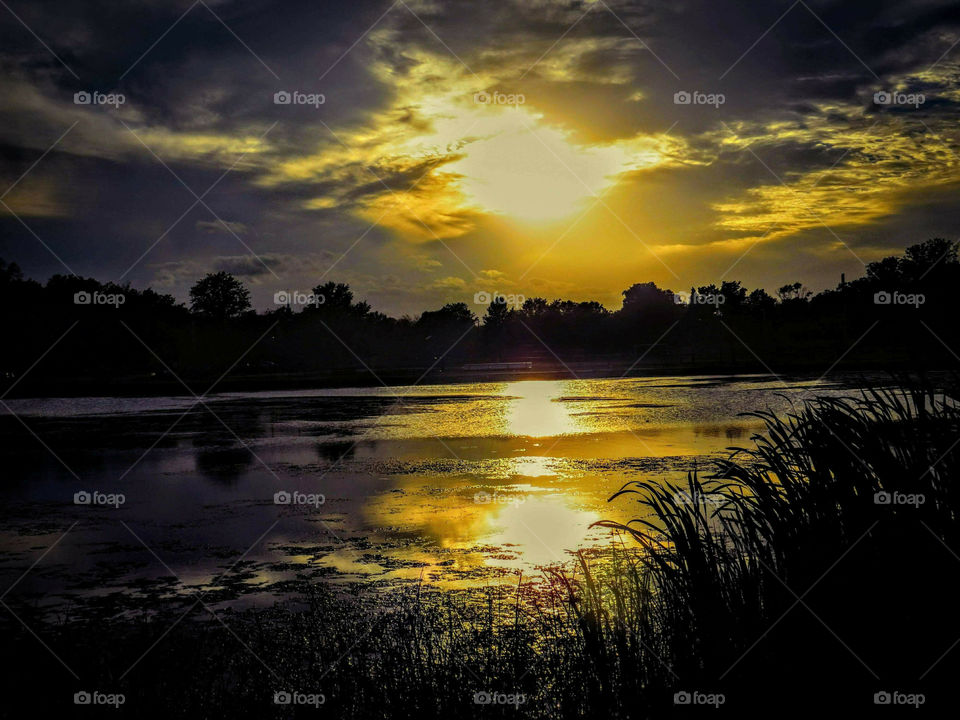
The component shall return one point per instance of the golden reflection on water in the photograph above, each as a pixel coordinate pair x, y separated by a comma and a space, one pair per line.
535, 466
520, 497
474, 525
540, 529
536, 412
483, 522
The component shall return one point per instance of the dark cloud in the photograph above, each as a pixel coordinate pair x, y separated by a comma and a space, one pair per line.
199, 82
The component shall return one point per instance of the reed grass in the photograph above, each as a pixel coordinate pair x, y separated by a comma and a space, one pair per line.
784, 579
777, 580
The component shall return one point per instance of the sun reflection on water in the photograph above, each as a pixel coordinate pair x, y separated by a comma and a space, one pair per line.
540, 529
536, 412
532, 467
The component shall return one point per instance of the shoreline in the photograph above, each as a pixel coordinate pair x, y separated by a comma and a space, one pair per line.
158, 386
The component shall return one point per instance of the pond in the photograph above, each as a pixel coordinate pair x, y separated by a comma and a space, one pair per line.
249, 497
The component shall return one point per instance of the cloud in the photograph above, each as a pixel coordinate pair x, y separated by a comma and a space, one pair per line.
255, 268
37, 198
852, 174
401, 170
449, 283
233, 228
427, 264
247, 266
492, 275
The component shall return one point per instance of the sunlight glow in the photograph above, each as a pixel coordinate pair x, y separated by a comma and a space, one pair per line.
472, 158
532, 467
534, 173
542, 529
535, 412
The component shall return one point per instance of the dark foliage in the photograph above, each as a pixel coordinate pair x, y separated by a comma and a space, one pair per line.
899, 314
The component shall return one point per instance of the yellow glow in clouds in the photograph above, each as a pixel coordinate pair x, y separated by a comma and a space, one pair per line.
532, 172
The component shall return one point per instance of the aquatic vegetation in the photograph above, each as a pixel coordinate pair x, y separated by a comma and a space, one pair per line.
815, 559
808, 570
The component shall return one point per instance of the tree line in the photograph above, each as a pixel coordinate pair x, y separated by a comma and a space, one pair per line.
899, 313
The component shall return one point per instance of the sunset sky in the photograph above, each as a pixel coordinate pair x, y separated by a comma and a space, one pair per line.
532, 147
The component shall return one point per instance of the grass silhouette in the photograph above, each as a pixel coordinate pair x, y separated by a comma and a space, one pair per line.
812, 570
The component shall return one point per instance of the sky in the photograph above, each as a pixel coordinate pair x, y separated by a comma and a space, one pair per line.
425, 151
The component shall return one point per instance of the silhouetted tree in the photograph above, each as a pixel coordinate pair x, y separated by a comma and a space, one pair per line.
456, 315
647, 311
219, 296
796, 291
926, 257
334, 295
497, 315
760, 299
533, 307
909, 298
334, 301
734, 294
10, 273
643, 296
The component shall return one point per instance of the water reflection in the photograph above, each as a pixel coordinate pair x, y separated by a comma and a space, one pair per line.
541, 529
223, 464
532, 467
400, 485
536, 412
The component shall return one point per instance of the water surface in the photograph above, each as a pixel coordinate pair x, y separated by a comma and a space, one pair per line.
448, 484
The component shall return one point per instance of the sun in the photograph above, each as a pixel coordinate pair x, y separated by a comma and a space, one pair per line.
529, 171
457, 159
504, 161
